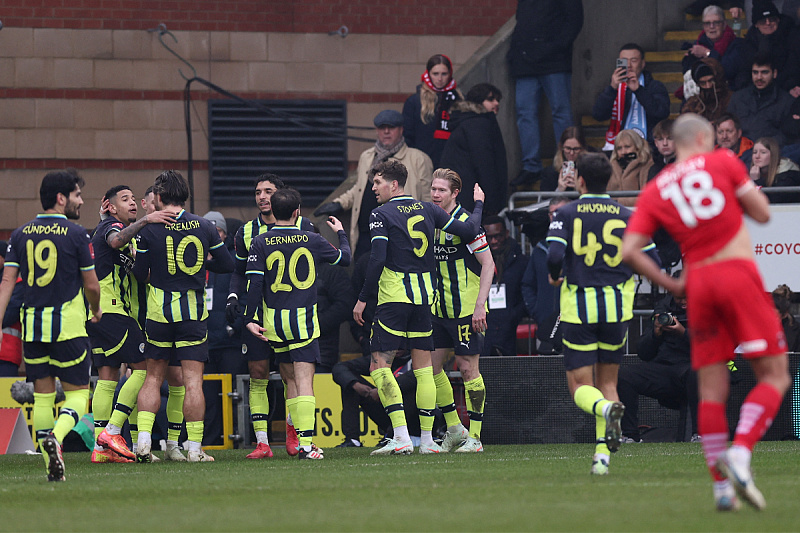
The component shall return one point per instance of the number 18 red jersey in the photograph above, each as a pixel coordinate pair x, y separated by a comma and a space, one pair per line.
696, 201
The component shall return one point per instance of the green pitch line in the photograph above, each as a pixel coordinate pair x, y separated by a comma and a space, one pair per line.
651, 487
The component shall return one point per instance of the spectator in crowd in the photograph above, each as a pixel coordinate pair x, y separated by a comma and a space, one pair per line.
665, 146
718, 41
475, 149
714, 96
426, 113
540, 60
358, 392
729, 135
774, 34
506, 305
224, 341
782, 296
561, 176
11, 347
335, 300
539, 296
389, 146
633, 99
769, 169
762, 106
791, 128
361, 333
630, 163
665, 372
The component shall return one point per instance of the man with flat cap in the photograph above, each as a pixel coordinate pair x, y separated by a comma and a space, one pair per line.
390, 145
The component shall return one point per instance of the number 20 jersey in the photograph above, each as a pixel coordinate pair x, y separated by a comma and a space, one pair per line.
696, 202
51, 253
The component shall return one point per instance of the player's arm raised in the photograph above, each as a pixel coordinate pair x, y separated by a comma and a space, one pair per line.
344, 244
118, 239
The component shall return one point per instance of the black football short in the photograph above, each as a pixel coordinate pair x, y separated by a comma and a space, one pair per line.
587, 344
68, 360
457, 333
116, 339
177, 341
401, 326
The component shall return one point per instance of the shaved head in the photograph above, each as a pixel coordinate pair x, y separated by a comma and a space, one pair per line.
692, 134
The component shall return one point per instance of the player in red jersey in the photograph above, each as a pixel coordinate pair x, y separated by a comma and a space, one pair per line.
700, 200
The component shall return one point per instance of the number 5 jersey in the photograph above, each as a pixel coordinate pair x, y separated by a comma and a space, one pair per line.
51, 253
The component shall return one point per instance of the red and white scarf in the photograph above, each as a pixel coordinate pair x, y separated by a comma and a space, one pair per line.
615, 124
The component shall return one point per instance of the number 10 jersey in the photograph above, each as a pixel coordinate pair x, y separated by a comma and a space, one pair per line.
176, 254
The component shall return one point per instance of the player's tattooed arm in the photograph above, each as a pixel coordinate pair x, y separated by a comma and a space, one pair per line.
120, 238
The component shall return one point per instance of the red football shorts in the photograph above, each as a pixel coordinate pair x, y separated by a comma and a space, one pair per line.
728, 307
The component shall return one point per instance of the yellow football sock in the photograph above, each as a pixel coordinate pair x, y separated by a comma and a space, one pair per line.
303, 418
194, 431
126, 400
476, 399
73, 408
259, 404
390, 395
426, 397
445, 400
175, 413
102, 402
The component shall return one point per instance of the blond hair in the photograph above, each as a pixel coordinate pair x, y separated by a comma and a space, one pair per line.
448, 175
642, 146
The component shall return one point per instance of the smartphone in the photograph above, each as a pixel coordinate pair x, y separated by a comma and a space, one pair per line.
622, 62
569, 168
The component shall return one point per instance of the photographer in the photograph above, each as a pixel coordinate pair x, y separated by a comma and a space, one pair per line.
665, 372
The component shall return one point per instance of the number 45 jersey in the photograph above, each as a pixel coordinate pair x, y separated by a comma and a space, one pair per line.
696, 201
175, 255
585, 239
51, 253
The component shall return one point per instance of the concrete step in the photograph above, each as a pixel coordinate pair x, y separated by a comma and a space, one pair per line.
669, 77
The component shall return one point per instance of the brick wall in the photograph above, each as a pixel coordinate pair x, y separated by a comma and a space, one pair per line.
407, 17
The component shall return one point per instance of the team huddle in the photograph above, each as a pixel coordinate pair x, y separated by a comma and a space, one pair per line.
429, 274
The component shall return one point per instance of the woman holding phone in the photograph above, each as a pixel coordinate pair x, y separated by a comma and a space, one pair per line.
561, 176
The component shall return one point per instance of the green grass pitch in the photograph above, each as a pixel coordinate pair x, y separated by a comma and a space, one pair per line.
651, 487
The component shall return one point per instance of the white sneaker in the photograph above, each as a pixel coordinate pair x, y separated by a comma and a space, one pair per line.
425, 449
173, 453
199, 457
395, 447
455, 438
726, 499
613, 428
733, 467
143, 454
599, 465
470, 446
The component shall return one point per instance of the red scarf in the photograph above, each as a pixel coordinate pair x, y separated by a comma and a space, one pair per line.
426, 79
615, 124
724, 42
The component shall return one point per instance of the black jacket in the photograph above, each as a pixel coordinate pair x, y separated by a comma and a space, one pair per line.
218, 336
501, 324
652, 95
335, 301
782, 46
476, 151
668, 348
542, 40
761, 112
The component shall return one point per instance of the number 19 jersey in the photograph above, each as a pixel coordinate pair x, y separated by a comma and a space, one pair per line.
696, 201
51, 253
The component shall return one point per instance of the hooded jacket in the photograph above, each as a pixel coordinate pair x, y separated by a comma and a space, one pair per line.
477, 152
710, 103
